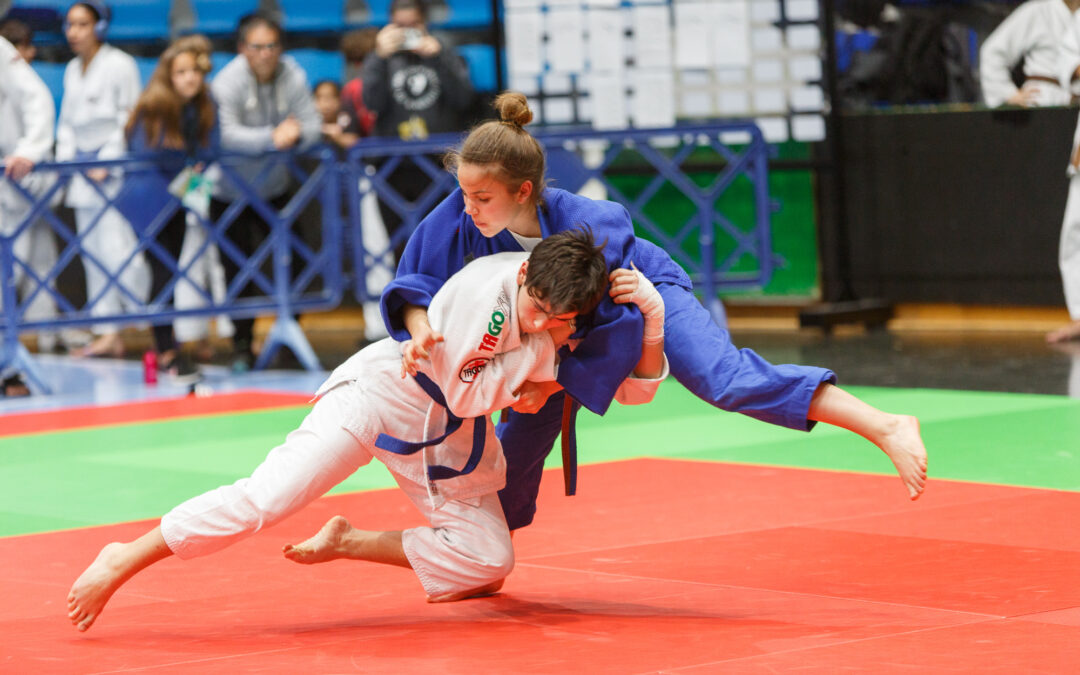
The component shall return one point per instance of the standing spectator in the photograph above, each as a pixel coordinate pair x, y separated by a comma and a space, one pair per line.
27, 111
29, 118
265, 104
101, 85
414, 84
1068, 73
355, 46
1031, 35
176, 119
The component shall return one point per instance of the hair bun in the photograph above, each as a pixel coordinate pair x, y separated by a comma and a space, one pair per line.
513, 107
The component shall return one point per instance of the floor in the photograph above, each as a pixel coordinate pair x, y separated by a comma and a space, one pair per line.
698, 542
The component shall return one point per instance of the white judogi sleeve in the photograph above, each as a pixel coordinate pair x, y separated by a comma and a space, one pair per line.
29, 133
639, 390
484, 359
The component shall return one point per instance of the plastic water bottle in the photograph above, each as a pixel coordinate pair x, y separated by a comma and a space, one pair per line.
149, 362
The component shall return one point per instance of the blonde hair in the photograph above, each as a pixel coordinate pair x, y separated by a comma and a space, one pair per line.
504, 147
159, 107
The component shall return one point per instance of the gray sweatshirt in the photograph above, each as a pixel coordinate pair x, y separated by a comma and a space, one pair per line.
249, 111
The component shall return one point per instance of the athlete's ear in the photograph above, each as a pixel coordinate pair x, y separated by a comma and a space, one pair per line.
524, 192
523, 272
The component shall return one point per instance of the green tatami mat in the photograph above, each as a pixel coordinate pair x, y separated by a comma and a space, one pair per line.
136, 471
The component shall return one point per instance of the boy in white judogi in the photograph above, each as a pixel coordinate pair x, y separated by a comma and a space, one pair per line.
502, 318
1031, 34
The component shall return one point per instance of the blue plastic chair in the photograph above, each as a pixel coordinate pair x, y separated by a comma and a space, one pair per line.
134, 20
320, 64
481, 60
219, 17
146, 65
312, 16
467, 14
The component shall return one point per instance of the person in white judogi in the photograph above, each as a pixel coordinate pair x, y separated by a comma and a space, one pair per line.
101, 85
26, 139
502, 317
1031, 34
1068, 72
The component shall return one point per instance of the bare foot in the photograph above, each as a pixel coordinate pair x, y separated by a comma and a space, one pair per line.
482, 592
106, 345
330, 543
1065, 333
96, 585
904, 446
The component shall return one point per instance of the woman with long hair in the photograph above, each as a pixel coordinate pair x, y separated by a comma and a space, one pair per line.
175, 119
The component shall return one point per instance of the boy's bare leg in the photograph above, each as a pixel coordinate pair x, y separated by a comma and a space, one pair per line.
897, 435
115, 564
338, 540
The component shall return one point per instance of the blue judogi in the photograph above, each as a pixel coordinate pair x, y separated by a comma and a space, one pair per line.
700, 353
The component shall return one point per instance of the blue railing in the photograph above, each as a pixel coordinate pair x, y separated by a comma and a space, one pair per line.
587, 160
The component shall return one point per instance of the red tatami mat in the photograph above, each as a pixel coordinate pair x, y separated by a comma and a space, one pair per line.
655, 566
144, 411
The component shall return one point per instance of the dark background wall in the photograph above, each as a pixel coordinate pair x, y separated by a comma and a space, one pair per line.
956, 206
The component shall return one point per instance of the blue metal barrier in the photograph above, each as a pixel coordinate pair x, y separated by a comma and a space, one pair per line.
282, 293
575, 158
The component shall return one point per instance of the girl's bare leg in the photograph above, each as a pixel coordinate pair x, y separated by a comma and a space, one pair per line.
115, 564
897, 435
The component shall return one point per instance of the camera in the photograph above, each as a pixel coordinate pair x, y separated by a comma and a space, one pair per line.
412, 38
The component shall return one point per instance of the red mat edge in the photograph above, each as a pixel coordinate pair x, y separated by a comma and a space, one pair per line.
81, 417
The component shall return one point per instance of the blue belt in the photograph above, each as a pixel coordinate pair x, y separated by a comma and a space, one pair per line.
453, 423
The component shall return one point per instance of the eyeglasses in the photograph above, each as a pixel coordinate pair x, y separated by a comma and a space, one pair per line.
266, 47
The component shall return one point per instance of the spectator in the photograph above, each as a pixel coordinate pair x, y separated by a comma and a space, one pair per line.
1068, 72
355, 46
176, 119
37, 246
101, 85
412, 83
265, 104
27, 111
415, 86
1031, 35
337, 126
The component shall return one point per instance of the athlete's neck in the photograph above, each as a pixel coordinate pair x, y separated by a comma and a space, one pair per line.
526, 223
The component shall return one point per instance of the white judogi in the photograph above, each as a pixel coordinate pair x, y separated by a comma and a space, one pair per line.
94, 109
27, 114
1069, 246
1033, 33
482, 362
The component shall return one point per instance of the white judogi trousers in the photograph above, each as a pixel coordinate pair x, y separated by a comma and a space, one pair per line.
110, 242
1069, 249
467, 545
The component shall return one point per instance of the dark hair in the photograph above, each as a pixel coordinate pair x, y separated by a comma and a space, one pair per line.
332, 83
254, 20
16, 32
504, 147
567, 271
419, 5
357, 44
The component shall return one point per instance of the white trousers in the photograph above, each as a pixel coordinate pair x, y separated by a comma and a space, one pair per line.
204, 271
467, 546
37, 248
110, 242
1069, 249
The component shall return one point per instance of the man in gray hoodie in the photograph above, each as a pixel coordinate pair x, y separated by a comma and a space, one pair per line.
264, 104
